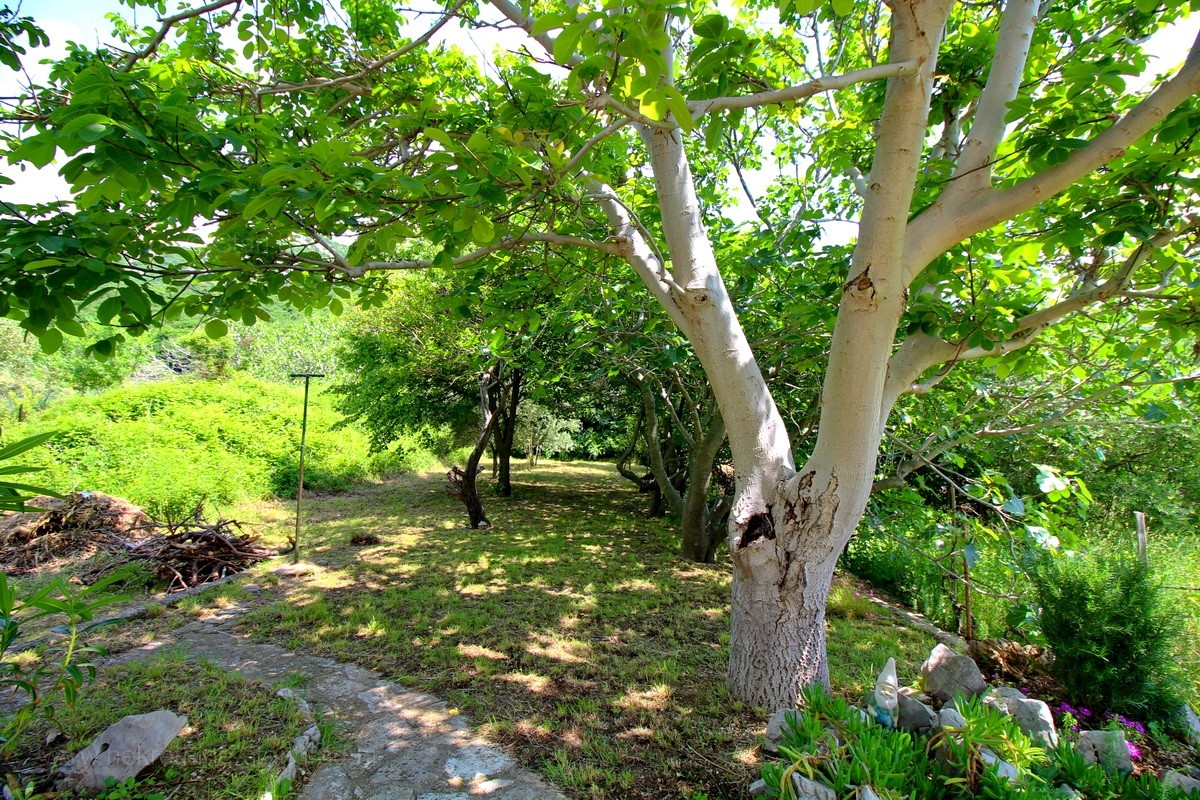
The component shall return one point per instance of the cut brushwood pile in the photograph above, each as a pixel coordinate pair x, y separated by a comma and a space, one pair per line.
183, 554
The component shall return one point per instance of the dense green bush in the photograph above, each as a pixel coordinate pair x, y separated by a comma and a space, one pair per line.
170, 444
1112, 637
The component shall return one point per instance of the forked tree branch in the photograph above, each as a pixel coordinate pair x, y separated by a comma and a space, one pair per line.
166, 24
945, 224
374, 66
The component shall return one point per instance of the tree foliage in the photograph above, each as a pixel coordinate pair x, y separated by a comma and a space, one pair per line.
1008, 186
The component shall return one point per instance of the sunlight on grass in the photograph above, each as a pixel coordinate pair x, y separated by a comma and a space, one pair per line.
570, 630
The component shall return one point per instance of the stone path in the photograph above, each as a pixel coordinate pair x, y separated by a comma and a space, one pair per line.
406, 745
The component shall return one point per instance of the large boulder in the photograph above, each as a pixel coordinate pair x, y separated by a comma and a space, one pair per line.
947, 673
1106, 748
123, 750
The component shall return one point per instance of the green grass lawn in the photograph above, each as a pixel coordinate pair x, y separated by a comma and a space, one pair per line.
570, 631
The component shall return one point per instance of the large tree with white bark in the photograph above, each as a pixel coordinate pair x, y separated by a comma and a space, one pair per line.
1003, 177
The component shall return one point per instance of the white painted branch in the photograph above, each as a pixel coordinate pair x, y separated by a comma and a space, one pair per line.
525, 23
873, 296
947, 223
791, 94
633, 246
973, 172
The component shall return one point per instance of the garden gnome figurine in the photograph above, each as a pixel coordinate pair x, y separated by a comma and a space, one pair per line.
885, 700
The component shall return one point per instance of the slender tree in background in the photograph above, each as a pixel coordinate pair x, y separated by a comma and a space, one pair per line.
1003, 179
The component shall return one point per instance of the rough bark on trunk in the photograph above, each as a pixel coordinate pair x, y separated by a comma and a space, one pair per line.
463, 483
506, 430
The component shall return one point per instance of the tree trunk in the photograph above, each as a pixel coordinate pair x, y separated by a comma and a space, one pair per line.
463, 483
505, 431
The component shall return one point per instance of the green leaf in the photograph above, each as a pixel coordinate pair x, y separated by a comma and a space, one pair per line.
564, 45
50, 340
711, 26
28, 443
482, 231
842, 7
216, 328
654, 104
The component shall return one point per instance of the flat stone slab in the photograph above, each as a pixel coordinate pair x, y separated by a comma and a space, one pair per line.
406, 745
122, 750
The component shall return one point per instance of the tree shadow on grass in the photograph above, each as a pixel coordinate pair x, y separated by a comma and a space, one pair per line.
570, 630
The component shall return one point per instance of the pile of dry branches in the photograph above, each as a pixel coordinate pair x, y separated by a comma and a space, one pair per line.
80, 526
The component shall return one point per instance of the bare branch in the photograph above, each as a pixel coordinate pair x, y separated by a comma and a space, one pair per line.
347, 81
167, 24
793, 93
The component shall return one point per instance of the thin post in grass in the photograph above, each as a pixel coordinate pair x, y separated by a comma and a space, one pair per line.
1140, 518
300, 484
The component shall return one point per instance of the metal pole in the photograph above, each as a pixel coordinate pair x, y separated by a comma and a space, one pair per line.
303, 435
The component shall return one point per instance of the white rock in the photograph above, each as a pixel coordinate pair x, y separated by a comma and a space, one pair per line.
951, 718
1180, 781
123, 750
1004, 769
811, 790
1106, 748
1190, 723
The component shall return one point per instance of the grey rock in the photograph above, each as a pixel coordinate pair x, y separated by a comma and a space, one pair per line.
291, 694
946, 674
949, 717
252, 588
1067, 792
811, 790
1180, 781
1004, 769
123, 750
758, 788
866, 793
1190, 724
775, 730
914, 715
1031, 715
1106, 748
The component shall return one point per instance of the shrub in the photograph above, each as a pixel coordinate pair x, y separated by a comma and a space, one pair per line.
171, 444
1112, 637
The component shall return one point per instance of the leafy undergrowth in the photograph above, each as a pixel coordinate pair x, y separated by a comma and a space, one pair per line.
236, 740
570, 631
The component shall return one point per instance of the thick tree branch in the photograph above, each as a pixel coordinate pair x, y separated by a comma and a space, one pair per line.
791, 94
945, 224
973, 171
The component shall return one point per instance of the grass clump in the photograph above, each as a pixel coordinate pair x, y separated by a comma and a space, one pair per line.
1112, 635
236, 740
